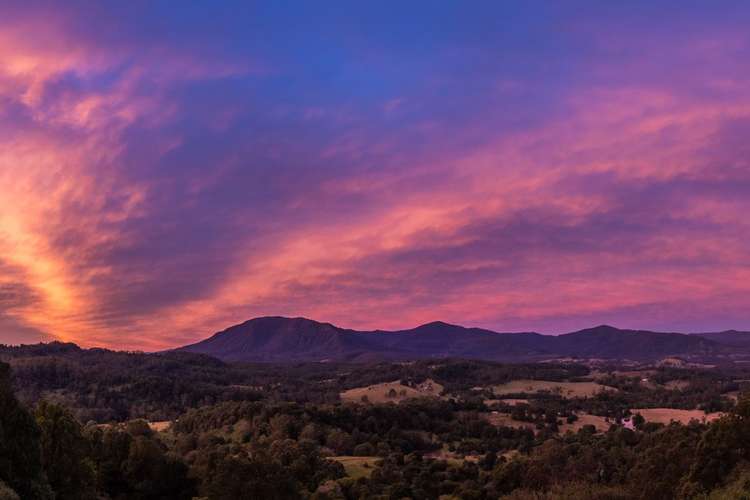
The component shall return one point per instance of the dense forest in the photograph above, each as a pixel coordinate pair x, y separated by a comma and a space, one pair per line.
81, 424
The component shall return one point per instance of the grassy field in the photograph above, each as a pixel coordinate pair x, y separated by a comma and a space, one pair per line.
666, 415
391, 392
507, 401
504, 420
357, 467
677, 384
452, 458
160, 426
564, 389
601, 424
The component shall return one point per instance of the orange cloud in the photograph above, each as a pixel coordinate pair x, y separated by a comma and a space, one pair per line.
140, 212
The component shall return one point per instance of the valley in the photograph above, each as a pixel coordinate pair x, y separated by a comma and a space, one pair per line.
436, 427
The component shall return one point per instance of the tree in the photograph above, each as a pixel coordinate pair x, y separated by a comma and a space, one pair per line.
65, 453
243, 478
340, 442
137, 468
638, 421
488, 461
153, 474
20, 452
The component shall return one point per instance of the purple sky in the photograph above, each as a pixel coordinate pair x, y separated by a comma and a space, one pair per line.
166, 172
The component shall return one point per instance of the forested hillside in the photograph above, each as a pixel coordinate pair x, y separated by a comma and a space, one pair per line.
97, 424
253, 450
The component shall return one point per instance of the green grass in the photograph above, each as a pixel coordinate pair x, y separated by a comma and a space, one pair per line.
357, 467
565, 389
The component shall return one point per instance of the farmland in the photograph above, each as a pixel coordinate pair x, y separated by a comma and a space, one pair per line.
667, 415
563, 389
601, 424
323, 430
394, 392
357, 467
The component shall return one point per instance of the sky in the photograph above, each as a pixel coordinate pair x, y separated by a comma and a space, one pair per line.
168, 169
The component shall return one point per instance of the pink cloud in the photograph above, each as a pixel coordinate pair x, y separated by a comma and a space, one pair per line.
150, 197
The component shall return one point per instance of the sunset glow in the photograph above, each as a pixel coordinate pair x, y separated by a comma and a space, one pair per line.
546, 167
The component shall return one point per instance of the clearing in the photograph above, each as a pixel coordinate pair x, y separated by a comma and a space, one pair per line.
450, 457
499, 419
564, 389
507, 401
677, 384
357, 467
160, 426
601, 423
392, 392
505, 420
667, 415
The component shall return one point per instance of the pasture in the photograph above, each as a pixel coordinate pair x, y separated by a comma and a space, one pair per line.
160, 426
500, 419
393, 392
357, 467
507, 401
600, 423
667, 415
564, 389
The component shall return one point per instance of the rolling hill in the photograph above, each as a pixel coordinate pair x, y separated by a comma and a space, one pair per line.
729, 337
279, 339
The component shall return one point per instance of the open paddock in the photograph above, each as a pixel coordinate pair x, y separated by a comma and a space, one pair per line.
160, 426
677, 385
600, 423
507, 401
667, 415
500, 419
393, 392
564, 389
357, 467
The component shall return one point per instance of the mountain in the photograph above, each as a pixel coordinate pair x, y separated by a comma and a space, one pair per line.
279, 339
609, 342
443, 340
731, 338
276, 339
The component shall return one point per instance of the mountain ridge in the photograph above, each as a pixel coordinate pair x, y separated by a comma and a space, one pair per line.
298, 339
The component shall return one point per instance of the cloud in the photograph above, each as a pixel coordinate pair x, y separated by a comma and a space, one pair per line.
162, 176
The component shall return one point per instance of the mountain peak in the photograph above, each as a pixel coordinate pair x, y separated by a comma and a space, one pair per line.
280, 320
606, 328
437, 325
600, 329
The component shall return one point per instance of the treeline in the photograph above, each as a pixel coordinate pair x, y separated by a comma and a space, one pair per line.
46, 454
103, 386
675, 461
696, 461
701, 389
421, 426
107, 386
110, 386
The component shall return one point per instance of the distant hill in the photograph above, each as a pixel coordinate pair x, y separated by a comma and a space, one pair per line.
612, 343
273, 339
732, 338
279, 339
